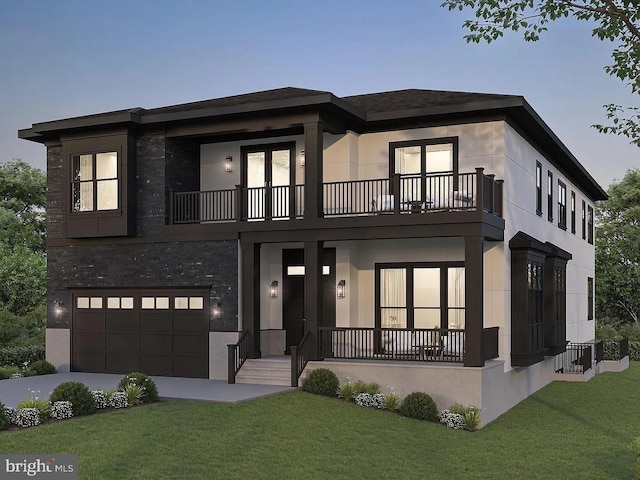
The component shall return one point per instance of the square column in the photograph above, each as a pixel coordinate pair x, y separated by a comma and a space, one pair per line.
313, 170
474, 322
250, 294
313, 293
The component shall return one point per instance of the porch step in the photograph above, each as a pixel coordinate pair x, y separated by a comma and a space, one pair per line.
266, 371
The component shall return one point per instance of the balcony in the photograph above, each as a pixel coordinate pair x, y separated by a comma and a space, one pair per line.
398, 195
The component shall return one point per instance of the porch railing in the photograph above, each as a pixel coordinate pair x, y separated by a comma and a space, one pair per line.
577, 359
400, 194
299, 358
430, 345
614, 349
237, 353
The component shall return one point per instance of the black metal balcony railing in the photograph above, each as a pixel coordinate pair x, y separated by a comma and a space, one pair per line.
400, 194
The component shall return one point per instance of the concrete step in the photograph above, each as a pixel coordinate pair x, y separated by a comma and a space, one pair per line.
266, 371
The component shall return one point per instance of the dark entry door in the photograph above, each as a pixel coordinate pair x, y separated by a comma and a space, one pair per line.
293, 293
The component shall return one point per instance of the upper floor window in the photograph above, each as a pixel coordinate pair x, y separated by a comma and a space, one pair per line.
424, 156
589, 298
539, 188
584, 221
590, 224
550, 196
94, 182
573, 212
562, 205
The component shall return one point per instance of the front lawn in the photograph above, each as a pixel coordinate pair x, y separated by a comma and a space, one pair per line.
567, 430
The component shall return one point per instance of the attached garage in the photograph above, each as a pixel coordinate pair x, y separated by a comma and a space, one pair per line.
155, 331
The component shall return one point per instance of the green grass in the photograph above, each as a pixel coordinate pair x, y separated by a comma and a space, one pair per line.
565, 431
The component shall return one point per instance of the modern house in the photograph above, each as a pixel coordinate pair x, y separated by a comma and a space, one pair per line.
426, 240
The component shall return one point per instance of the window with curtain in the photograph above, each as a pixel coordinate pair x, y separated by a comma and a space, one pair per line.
421, 296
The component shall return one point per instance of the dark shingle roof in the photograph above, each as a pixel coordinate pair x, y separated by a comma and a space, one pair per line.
246, 98
414, 98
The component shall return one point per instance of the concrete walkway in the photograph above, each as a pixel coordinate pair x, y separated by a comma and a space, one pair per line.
12, 391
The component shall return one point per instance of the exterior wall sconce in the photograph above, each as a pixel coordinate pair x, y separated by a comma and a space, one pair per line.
273, 289
228, 164
340, 289
58, 307
217, 310
302, 161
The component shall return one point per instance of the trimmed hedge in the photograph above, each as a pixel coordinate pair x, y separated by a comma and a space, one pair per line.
17, 356
612, 350
78, 394
321, 381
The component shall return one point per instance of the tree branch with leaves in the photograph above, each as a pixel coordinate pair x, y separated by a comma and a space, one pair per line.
617, 21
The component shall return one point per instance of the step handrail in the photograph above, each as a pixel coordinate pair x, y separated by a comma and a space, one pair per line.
300, 358
237, 353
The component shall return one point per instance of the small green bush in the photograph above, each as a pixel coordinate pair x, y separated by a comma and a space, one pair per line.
19, 355
43, 406
364, 387
420, 406
470, 414
78, 394
41, 367
6, 372
391, 401
321, 381
149, 390
347, 391
5, 420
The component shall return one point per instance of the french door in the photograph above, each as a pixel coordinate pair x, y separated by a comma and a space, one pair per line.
420, 296
268, 175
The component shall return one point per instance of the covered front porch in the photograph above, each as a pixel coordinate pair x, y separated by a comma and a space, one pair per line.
417, 300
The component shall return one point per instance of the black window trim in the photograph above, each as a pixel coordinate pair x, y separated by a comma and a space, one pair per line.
584, 220
539, 189
573, 212
550, 195
562, 205
590, 294
590, 226
94, 181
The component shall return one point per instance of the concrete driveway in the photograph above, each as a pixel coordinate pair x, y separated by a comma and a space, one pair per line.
12, 391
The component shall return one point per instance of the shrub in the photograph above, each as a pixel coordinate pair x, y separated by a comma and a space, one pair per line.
363, 387
149, 390
28, 417
118, 400
347, 391
368, 400
43, 406
78, 394
61, 410
12, 413
18, 355
7, 372
391, 401
452, 419
42, 367
5, 417
321, 381
134, 394
420, 406
100, 398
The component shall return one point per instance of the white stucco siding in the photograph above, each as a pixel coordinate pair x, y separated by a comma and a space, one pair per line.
520, 215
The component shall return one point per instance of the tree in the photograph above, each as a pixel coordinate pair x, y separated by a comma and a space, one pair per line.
617, 21
618, 252
23, 198
22, 253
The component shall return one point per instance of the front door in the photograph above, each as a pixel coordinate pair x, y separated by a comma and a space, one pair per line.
293, 293
268, 175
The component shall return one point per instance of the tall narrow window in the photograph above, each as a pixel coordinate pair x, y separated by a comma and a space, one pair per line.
550, 196
589, 298
536, 311
562, 205
584, 220
590, 224
94, 182
573, 212
539, 188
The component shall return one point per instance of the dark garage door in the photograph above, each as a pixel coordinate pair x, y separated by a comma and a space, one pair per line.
158, 332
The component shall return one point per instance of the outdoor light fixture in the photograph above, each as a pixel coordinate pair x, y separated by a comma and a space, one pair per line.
302, 158
217, 310
340, 289
57, 307
228, 164
273, 289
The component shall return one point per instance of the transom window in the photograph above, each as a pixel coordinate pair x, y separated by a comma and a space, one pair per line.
94, 179
421, 296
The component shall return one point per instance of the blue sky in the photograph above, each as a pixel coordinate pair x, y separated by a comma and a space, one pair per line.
69, 58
